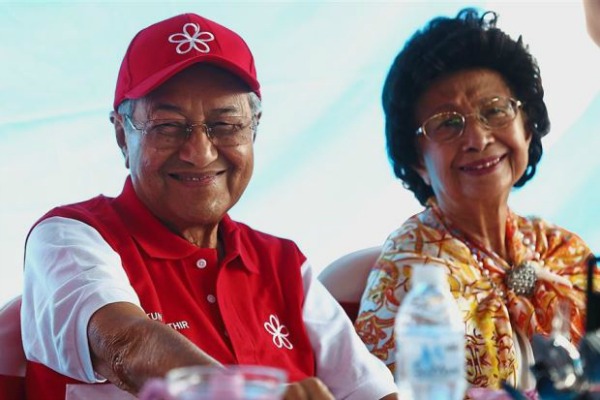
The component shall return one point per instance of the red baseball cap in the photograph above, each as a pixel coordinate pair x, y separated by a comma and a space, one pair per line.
167, 47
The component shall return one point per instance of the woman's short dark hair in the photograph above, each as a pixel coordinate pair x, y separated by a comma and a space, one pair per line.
447, 45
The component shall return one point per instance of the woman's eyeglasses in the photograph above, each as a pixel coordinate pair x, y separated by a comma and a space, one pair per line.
495, 112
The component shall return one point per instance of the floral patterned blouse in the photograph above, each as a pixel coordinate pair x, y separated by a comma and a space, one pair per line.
476, 276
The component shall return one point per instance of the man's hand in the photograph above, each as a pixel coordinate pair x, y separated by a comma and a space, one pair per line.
308, 389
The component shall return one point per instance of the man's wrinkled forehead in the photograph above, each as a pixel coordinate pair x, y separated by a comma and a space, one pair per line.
218, 91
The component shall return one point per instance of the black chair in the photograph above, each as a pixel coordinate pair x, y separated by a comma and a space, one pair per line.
593, 298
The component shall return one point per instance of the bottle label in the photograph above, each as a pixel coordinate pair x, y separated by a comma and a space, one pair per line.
431, 358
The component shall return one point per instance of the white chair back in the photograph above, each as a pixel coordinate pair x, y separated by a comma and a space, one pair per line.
346, 277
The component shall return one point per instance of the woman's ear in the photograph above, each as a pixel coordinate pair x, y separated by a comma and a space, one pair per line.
419, 168
528, 135
423, 174
118, 122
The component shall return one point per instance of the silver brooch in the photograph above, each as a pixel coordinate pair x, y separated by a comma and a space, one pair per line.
521, 279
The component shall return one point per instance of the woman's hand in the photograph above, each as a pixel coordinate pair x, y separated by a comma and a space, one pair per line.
308, 389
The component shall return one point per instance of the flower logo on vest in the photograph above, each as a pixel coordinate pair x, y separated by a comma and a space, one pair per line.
280, 332
191, 38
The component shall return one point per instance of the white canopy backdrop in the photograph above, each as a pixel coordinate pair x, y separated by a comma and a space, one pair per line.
322, 177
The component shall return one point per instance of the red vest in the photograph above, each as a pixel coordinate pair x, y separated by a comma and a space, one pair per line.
245, 309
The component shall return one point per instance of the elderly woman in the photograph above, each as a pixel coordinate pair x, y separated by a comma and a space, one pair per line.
465, 116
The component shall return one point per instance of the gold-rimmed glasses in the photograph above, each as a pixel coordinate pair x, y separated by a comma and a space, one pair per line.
495, 112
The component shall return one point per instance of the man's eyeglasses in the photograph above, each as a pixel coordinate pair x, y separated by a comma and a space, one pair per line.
496, 112
172, 133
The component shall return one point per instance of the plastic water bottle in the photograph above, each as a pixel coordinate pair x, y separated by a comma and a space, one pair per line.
430, 339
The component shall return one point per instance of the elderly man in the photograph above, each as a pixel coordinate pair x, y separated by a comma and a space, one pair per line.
124, 289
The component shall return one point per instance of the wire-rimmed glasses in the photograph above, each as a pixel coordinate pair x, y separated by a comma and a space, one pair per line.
495, 112
172, 133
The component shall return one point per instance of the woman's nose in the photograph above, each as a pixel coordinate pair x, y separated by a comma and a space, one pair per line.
477, 135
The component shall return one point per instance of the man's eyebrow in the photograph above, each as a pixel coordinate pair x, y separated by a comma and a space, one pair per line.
165, 107
225, 110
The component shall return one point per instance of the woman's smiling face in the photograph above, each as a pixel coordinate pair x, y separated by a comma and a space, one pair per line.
483, 163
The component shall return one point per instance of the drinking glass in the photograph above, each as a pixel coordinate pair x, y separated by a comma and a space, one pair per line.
238, 382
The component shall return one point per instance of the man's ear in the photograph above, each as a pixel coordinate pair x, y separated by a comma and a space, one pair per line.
257, 118
118, 123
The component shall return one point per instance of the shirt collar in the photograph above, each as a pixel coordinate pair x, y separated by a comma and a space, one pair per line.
234, 246
158, 241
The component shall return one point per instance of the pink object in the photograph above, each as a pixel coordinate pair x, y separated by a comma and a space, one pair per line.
155, 389
227, 386
238, 382
493, 394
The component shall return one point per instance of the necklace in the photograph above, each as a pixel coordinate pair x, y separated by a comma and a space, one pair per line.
520, 279
485, 265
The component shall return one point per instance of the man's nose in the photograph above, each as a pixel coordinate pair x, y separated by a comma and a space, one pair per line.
198, 149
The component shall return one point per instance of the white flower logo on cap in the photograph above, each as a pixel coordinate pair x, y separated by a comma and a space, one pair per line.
191, 38
279, 331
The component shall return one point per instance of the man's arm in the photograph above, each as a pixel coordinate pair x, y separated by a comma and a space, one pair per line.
128, 348
77, 293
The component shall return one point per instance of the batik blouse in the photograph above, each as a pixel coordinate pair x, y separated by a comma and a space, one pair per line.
492, 313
